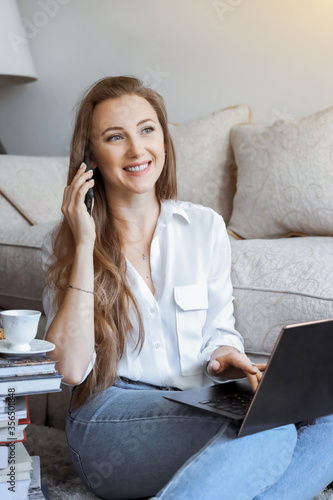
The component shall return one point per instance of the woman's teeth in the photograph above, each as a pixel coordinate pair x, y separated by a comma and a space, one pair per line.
138, 168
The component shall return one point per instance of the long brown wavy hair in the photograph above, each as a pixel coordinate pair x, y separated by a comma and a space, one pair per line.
113, 296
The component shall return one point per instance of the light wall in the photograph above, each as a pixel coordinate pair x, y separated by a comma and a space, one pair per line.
201, 55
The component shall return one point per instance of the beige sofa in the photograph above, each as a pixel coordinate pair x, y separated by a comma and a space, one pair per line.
284, 180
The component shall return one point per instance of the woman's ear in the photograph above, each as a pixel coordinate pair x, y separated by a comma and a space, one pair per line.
93, 164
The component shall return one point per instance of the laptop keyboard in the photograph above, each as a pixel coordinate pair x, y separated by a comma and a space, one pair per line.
233, 403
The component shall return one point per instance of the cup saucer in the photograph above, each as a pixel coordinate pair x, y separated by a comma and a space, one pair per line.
37, 346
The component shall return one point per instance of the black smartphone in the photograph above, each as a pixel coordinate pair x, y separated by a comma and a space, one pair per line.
90, 194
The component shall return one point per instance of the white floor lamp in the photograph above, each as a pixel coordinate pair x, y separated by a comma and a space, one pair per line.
16, 64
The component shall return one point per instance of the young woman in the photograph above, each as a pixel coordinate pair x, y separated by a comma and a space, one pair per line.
139, 302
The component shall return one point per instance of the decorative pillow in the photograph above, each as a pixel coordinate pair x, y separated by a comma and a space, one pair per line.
205, 161
284, 178
35, 185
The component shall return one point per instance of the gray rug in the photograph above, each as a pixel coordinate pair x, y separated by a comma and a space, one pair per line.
56, 468
57, 471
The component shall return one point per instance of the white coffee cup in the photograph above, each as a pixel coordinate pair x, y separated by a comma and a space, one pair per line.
20, 328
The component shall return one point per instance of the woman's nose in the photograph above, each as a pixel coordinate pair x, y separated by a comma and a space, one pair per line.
135, 148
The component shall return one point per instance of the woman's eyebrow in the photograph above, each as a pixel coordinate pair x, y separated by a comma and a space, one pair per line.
121, 128
146, 120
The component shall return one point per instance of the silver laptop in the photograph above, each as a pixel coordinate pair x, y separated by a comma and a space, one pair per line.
297, 384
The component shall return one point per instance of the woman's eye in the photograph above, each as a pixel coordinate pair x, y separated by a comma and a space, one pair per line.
147, 130
115, 137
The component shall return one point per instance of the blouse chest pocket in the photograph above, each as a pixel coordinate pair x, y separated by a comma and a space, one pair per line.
191, 312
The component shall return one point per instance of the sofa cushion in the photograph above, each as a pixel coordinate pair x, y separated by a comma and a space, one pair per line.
21, 275
280, 282
285, 177
205, 162
35, 185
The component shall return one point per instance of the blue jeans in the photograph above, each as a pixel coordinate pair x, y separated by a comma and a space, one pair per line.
129, 442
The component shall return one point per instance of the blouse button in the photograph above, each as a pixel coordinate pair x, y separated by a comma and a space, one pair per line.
157, 345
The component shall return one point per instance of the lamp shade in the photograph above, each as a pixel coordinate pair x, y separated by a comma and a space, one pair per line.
16, 64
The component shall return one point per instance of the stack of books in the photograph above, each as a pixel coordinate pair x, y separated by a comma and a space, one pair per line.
25, 374
21, 375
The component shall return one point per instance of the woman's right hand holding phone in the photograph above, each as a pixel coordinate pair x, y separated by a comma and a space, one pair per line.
74, 209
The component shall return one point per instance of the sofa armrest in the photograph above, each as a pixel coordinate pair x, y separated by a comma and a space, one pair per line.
37, 404
57, 407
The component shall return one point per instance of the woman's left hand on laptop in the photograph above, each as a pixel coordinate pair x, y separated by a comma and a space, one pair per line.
228, 363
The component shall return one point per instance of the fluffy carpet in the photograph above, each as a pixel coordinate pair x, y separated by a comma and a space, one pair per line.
56, 468
57, 471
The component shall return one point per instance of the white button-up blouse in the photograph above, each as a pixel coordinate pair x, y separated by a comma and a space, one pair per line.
191, 313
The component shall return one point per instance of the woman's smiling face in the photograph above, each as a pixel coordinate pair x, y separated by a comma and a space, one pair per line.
127, 145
